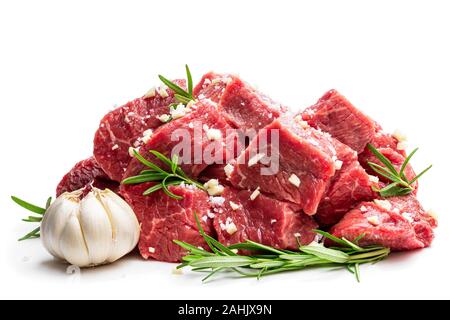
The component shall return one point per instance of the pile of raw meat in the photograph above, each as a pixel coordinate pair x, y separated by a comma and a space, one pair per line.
323, 179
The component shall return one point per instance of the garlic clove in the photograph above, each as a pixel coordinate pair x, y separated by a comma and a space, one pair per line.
96, 227
55, 220
124, 224
72, 243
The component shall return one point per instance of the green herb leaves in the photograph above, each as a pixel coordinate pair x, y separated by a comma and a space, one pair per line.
325, 253
174, 176
33, 218
267, 260
181, 95
400, 185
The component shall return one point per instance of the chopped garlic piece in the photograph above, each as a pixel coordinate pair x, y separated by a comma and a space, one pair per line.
216, 191
400, 136
234, 205
163, 92
151, 250
363, 209
338, 164
231, 228
147, 135
115, 147
273, 221
228, 170
178, 111
255, 159
235, 251
385, 204
213, 187
297, 235
374, 179
373, 220
163, 118
295, 180
255, 194
214, 134
150, 93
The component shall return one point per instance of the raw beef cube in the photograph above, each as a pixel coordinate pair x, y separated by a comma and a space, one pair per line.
243, 106
296, 167
399, 223
164, 219
349, 187
85, 173
190, 137
125, 126
334, 114
265, 220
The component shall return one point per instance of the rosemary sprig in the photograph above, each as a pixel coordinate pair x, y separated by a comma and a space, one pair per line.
181, 95
35, 233
400, 185
174, 176
268, 260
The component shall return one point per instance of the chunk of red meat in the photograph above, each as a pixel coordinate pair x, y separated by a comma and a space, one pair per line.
84, 173
124, 127
334, 114
399, 223
302, 152
265, 220
350, 186
164, 219
191, 132
243, 106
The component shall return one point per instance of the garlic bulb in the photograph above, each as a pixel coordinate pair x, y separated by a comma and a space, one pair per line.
97, 229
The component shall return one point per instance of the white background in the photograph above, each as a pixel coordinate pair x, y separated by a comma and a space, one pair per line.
64, 64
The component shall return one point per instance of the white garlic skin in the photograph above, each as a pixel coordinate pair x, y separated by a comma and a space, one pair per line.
98, 229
